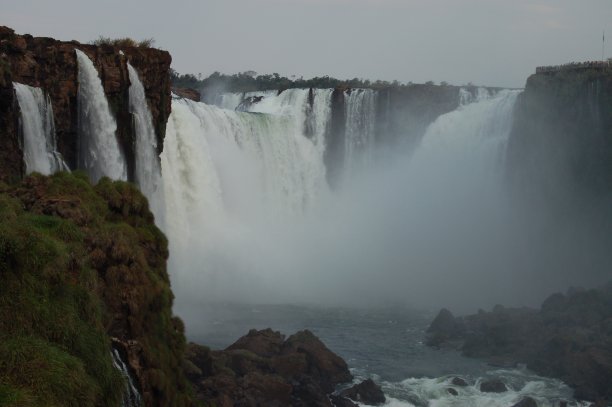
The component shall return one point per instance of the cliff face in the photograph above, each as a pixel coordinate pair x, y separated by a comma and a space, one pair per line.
402, 115
561, 142
52, 66
79, 265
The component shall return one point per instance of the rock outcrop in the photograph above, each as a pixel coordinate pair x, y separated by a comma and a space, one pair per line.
366, 392
569, 338
263, 368
79, 265
187, 93
493, 386
51, 65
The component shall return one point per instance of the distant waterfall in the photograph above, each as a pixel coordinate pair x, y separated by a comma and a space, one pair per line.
360, 127
147, 165
39, 144
99, 151
131, 397
474, 135
473, 95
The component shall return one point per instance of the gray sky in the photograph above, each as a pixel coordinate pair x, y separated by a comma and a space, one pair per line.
487, 42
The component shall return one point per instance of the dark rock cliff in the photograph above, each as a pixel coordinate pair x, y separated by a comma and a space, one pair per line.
52, 66
561, 141
404, 113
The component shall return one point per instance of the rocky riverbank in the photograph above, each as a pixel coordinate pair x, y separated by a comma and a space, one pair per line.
569, 337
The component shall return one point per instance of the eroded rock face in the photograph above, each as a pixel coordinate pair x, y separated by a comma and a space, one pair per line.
561, 140
187, 93
262, 368
52, 66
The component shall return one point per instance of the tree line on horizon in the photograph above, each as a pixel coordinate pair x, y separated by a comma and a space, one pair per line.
250, 81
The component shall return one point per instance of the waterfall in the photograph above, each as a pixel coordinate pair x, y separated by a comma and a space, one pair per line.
230, 176
99, 151
250, 217
131, 397
147, 165
39, 144
474, 95
472, 137
360, 105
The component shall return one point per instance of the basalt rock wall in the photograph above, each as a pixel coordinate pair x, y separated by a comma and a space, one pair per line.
52, 66
561, 141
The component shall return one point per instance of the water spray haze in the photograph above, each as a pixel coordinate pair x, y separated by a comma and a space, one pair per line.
251, 218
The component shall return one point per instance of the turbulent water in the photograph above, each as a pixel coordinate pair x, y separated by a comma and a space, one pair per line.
99, 151
147, 166
386, 344
39, 144
227, 175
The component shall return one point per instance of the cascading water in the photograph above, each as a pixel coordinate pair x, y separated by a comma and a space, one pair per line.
467, 96
228, 175
131, 396
360, 128
39, 144
99, 151
232, 101
237, 185
147, 165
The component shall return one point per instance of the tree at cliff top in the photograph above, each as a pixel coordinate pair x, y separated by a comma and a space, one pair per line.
80, 264
124, 42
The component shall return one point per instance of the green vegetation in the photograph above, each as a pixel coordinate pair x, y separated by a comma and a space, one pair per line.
250, 81
79, 264
124, 42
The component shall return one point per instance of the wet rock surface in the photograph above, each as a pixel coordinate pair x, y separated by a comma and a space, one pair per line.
493, 386
187, 93
365, 392
264, 368
526, 402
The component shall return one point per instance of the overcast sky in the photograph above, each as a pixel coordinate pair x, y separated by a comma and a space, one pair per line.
487, 42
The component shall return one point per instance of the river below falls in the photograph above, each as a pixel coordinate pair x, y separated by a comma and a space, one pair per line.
384, 344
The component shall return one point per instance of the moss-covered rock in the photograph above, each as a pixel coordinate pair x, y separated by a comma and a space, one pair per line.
80, 264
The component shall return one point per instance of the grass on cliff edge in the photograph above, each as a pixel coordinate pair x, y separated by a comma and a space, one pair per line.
67, 249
